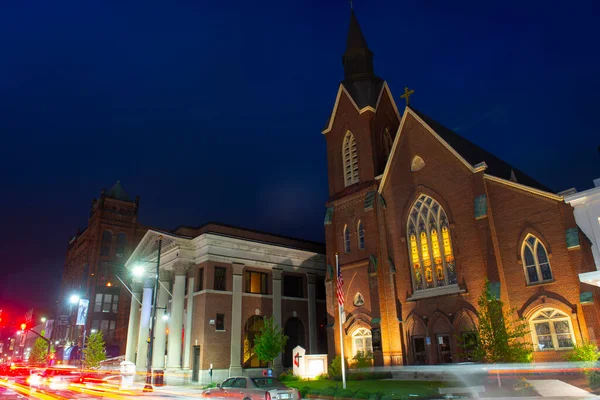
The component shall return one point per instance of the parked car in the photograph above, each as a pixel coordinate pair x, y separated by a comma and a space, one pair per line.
98, 381
244, 388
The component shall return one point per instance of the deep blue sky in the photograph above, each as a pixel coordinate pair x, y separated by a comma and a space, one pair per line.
213, 110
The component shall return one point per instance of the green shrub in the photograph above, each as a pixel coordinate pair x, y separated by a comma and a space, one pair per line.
594, 380
304, 391
314, 392
386, 397
362, 360
362, 394
335, 368
344, 394
210, 385
288, 376
328, 392
322, 377
585, 352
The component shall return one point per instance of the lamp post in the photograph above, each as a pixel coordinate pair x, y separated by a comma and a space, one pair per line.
75, 299
138, 270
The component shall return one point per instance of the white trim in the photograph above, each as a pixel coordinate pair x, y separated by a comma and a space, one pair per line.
294, 298
262, 296
523, 187
536, 262
212, 291
438, 291
591, 278
342, 89
552, 333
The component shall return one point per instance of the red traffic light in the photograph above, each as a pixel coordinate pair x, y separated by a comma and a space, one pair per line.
23, 326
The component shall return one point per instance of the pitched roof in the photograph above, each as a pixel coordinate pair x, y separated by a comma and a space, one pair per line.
475, 154
356, 39
118, 193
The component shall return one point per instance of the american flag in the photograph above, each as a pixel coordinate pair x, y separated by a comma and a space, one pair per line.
340, 287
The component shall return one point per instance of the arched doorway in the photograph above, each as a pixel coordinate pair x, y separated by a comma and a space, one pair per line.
251, 330
294, 330
443, 340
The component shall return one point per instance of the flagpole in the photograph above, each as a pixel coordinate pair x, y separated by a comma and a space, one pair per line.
340, 307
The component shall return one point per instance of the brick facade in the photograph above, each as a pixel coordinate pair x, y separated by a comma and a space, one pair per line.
490, 213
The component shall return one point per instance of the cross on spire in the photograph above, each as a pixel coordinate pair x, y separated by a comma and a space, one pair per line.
407, 94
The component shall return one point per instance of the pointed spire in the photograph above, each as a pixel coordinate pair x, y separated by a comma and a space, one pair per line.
358, 59
117, 192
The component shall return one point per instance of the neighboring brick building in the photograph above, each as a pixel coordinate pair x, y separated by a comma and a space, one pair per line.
420, 217
217, 284
94, 258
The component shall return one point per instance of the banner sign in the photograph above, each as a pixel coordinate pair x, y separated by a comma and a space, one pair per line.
49, 328
82, 311
63, 320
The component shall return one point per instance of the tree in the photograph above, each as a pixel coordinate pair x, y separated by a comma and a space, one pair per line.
94, 351
39, 352
496, 339
270, 341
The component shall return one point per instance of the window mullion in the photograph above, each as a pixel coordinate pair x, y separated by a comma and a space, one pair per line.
553, 334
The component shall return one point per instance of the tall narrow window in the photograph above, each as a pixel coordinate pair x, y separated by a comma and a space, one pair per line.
350, 159
220, 278
121, 243
430, 246
346, 239
106, 243
220, 326
256, 282
361, 236
200, 279
387, 142
535, 261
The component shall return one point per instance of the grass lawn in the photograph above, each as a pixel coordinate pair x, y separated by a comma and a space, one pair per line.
398, 389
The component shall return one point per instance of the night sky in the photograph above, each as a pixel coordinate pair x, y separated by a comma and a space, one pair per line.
214, 110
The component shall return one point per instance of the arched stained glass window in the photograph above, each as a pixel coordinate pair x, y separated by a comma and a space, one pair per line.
346, 239
535, 260
361, 236
430, 246
362, 342
551, 330
350, 159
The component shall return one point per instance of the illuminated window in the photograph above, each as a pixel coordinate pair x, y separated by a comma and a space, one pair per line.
350, 159
362, 342
256, 282
551, 330
361, 236
346, 239
535, 261
251, 331
430, 246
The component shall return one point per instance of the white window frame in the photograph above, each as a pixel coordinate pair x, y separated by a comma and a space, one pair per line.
350, 159
362, 334
553, 334
533, 248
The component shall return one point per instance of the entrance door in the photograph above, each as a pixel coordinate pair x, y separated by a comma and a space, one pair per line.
294, 330
443, 346
196, 365
419, 350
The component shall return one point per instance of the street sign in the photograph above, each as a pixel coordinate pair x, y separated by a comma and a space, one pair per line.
63, 320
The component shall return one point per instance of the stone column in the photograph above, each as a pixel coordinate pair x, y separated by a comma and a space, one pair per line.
235, 365
176, 320
134, 322
277, 363
187, 332
160, 333
144, 331
312, 314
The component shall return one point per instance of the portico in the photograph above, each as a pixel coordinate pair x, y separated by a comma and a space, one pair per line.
217, 283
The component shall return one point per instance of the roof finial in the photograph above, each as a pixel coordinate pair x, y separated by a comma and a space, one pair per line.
406, 95
351, 6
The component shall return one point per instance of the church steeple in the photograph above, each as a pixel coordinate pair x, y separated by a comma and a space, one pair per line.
358, 58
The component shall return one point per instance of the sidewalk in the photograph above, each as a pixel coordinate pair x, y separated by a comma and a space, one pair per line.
557, 388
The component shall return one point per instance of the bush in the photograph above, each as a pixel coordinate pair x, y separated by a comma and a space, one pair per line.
314, 392
303, 391
328, 392
335, 368
362, 360
344, 394
585, 352
386, 397
322, 377
362, 394
594, 380
288, 376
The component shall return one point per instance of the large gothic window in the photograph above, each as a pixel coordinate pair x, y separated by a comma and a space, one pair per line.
430, 246
350, 159
362, 342
551, 330
535, 261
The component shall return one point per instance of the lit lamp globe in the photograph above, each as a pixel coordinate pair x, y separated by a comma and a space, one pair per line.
138, 270
74, 299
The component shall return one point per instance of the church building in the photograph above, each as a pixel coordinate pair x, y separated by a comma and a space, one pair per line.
420, 217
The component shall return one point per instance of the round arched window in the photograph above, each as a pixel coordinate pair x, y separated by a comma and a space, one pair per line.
551, 330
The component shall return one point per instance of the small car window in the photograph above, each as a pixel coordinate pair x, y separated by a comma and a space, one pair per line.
240, 383
228, 383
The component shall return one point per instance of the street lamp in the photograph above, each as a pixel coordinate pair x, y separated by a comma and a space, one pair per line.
43, 319
74, 299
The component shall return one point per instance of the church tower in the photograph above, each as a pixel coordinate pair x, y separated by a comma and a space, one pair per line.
359, 136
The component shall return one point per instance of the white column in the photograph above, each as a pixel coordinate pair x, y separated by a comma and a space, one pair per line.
312, 315
277, 363
160, 334
187, 332
133, 327
176, 319
144, 331
235, 364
